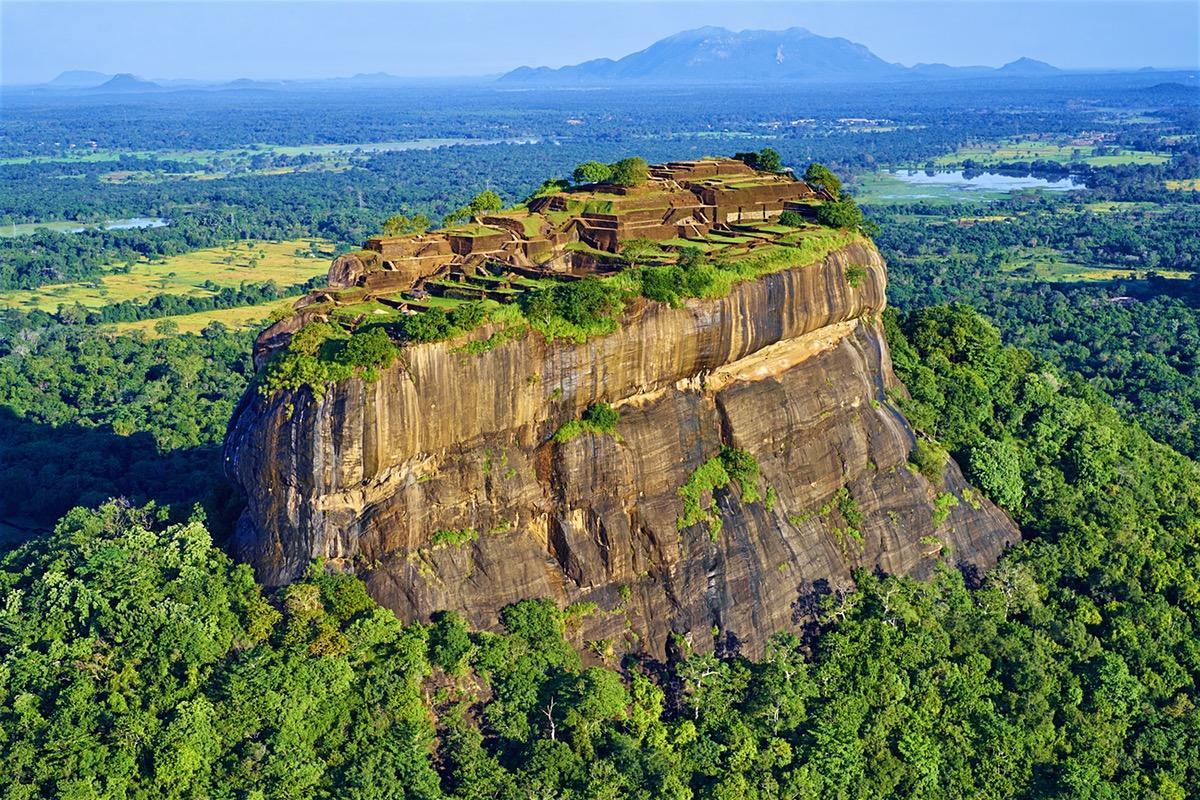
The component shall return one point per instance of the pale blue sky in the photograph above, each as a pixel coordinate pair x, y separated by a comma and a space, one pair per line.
225, 40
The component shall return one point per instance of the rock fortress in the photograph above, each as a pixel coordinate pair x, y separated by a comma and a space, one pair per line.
703, 466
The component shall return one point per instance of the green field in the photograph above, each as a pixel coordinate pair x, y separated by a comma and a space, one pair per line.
1186, 185
235, 318
1116, 206
286, 263
1048, 264
1026, 150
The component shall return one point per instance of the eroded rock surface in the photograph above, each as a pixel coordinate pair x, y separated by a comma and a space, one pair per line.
791, 368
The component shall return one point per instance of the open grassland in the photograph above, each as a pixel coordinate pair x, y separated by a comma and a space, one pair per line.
1118, 206
1025, 150
286, 263
234, 318
1050, 265
1186, 185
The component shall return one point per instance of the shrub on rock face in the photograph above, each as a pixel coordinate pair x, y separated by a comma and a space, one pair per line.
603, 416
930, 459
468, 316
312, 338
664, 284
691, 276
428, 326
690, 257
855, 275
995, 467
598, 418
584, 302
369, 348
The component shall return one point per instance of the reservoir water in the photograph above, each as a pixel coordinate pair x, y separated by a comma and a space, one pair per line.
130, 224
67, 226
939, 183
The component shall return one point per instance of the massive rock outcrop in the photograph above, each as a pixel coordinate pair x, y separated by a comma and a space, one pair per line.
441, 485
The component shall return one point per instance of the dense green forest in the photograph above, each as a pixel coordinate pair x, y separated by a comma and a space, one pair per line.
138, 661
1138, 340
87, 417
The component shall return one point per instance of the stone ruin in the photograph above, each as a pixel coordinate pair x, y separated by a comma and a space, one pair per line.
682, 200
712, 203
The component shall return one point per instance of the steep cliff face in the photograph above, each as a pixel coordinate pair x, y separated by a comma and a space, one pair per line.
441, 485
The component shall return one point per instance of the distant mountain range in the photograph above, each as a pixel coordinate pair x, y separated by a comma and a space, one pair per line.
711, 55
704, 56
81, 80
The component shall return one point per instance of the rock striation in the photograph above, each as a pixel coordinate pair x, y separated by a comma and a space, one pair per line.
441, 483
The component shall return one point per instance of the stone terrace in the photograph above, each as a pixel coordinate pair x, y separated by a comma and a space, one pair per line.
719, 205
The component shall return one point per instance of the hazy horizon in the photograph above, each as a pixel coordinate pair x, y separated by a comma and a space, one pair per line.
215, 41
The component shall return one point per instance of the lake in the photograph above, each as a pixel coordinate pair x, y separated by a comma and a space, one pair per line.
942, 182
131, 223
76, 227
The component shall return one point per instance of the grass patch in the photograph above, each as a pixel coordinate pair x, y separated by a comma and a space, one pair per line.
454, 537
930, 459
941, 508
1048, 265
698, 494
473, 230
1062, 152
234, 318
599, 418
285, 262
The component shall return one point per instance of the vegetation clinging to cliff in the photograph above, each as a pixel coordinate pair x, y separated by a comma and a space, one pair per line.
699, 493
324, 352
574, 310
598, 418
